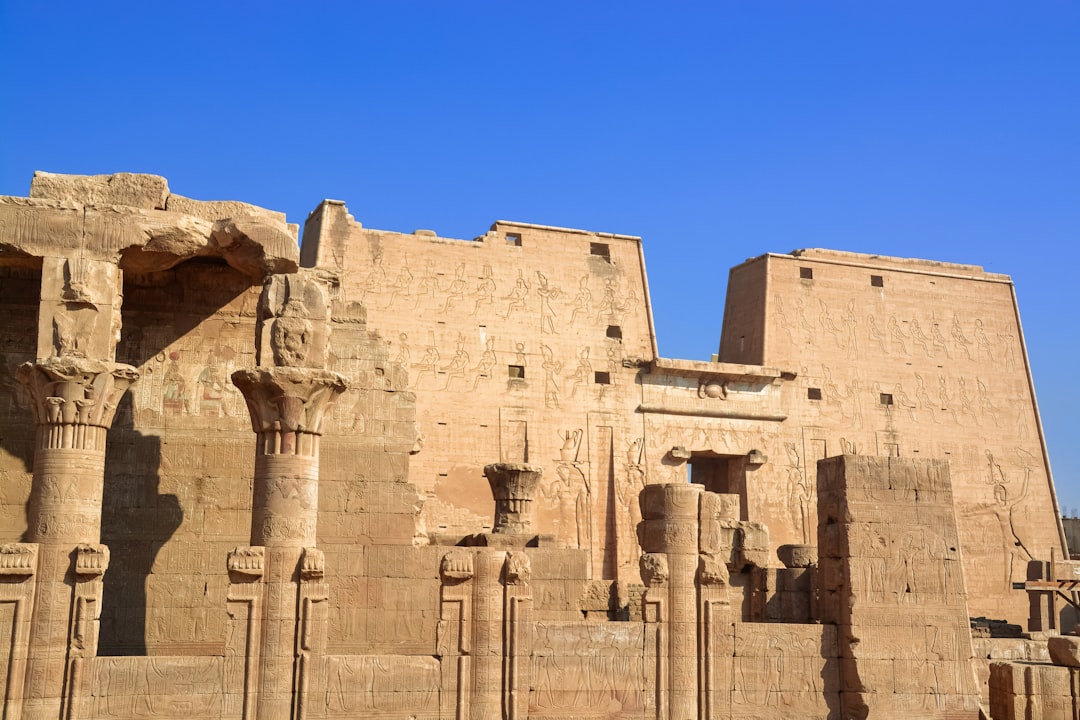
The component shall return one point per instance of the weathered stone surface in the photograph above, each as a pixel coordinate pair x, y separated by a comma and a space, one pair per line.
149, 192
219, 209
1064, 650
319, 539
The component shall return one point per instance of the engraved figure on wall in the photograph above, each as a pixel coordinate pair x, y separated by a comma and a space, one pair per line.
455, 291
1014, 550
782, 320
551, 368
457, 364
175, 398
627, 490
959, 339
517, 295
937, 338
852, 322
402, 287
582, 373
582, 301
488, 360
547, 293
828, 325
875, 334
568, 497
429, 362
212, 387
485, 291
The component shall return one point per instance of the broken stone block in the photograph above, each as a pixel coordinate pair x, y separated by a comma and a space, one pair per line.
1064, 650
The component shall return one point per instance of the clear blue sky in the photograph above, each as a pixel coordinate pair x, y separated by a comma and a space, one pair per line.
715, 130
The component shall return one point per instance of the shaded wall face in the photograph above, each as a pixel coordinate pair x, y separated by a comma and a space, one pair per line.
906, 359
522, 345
177, 494
20, 288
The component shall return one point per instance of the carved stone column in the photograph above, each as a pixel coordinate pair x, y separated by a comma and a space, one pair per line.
287, 402
74, 400
514, 487
668, 535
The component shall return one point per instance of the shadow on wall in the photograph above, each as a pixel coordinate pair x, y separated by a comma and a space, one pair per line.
136, 521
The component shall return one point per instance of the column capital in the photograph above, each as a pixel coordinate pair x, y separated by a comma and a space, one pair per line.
288, 403
75, 398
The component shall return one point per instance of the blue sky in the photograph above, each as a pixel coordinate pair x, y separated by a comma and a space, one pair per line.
717, 131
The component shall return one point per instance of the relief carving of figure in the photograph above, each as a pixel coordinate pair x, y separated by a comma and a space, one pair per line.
782, 320
568, 497
875, 334
547, 293
212, 388
582, 300
919, 337
458, 363
291, 336
487, 363
923, 397
982, 340
583, 373
517, 295
402, 287
551, 369
175, 398
938, 338
898, 335
455, 292
959, 339
485, 291
986, 406
1015, 552
828, 325
73, 327
852, 331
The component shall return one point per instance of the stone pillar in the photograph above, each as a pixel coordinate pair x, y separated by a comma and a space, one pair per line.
287, 402
514, 487
668, 535
892, 582
74, 400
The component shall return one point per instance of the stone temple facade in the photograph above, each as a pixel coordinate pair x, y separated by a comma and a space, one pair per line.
397, 475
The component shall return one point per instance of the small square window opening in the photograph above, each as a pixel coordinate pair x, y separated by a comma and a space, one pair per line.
513, 239
516, 372
603, 378
886, 399
877, 281
614, 332
600, 250
806, 273
813, 393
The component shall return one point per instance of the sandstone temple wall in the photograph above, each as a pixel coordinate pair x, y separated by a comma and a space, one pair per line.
396, 475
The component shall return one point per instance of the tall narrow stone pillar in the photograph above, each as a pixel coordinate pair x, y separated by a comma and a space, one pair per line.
287, 402
668, 534
75, 387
